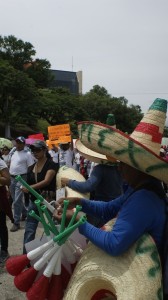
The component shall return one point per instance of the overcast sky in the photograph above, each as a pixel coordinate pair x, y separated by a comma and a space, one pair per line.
121, 45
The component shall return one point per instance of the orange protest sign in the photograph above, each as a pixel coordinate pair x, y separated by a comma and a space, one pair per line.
63, 139
57, 131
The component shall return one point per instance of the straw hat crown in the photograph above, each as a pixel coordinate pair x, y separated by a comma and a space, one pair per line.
150, 130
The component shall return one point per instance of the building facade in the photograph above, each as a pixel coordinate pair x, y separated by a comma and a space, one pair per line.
67, 79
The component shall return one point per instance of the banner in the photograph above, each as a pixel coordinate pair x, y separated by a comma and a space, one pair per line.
37, 136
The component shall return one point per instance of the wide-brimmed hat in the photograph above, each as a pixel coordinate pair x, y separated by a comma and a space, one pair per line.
95, 156
134, 275
67, 172
92, 155
5, 143
140, 150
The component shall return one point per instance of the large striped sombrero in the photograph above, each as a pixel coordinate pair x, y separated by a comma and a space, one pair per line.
140, 150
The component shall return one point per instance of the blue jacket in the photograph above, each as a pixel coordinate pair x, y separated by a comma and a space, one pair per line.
105, 180
137, 213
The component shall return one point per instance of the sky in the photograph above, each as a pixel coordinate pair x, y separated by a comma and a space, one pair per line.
121, 45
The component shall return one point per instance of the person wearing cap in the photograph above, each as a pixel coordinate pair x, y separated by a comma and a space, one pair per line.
142, 208
42, 178
20, 161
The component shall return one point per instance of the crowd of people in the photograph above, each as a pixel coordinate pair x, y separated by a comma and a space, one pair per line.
125, 174
38, 165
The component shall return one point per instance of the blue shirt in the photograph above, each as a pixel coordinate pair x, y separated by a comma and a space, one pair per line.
137, 213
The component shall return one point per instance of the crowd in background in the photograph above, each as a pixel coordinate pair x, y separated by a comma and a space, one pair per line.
25, 159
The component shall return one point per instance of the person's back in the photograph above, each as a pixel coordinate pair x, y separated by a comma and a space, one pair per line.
109, 182
105, 181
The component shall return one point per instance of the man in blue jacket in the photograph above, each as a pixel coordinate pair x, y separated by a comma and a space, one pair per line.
105, 179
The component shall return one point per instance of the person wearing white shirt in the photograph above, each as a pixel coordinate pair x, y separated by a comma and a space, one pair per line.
66, 155
21, 160
54, 153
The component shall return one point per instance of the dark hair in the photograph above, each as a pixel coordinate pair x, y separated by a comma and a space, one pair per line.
154, 185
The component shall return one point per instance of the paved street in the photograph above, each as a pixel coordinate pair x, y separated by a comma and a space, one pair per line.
8, 290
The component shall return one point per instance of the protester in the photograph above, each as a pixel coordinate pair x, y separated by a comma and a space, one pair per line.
105, 180
42, 178
77, 158
21, 160
66, 154
5, 210
141, 209
6, 155
54, 153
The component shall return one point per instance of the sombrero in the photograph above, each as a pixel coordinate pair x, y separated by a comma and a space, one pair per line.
92, 155
67, 172
5, 143
140, 150
134, 275
95, 156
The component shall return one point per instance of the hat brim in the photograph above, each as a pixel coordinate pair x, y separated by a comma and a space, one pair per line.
126, 276
114, 143
18, 140
92, 155
37, 147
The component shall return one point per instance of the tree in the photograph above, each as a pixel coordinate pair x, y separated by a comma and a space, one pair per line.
39, 71
57, 106
98, 105
15, 51
20, 76
20, 55
18, 97
100, 91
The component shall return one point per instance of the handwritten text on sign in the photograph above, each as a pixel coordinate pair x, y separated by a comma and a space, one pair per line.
54, 132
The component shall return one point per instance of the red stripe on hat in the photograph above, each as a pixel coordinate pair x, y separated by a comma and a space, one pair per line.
151, 129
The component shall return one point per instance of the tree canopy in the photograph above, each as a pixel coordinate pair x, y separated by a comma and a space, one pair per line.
25, 97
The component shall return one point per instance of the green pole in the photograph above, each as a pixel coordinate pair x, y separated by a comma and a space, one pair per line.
66, 203
46, 230
63, 236
78, 208
51, 222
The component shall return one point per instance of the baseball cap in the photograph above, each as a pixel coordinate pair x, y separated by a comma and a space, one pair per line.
38, 144
21, 139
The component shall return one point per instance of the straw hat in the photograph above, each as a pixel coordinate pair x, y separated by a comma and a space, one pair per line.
92, 155
95, 156
134, 275
140, 150
67, 172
